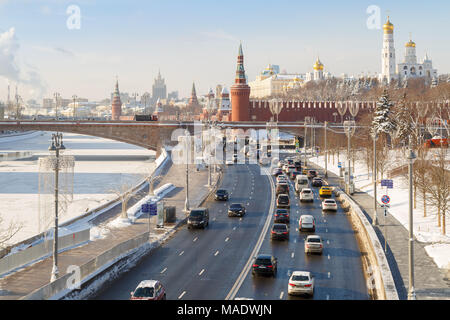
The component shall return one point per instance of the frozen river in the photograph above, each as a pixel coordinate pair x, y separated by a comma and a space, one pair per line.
101, 166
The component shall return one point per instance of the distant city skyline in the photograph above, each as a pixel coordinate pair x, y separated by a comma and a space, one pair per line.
197, 41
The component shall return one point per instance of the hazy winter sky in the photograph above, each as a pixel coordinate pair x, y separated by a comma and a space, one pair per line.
198, 41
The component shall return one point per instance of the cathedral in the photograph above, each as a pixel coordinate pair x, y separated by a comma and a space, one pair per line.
410, 67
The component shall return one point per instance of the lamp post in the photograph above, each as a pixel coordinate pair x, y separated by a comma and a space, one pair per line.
305, 139
186, 202
57, 98
326, 150
374, 178
349, 130
411, 293
74, 97
57, 145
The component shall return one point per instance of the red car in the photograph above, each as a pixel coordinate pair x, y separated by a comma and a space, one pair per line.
149, 290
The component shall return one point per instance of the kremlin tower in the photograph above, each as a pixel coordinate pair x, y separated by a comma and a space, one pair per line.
240, 92
116, 104
193, 102
388, 72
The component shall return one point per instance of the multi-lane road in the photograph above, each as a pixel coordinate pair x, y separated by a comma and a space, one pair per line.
215, 263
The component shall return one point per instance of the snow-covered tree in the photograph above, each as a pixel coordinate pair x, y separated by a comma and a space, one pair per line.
403, 122
383, 120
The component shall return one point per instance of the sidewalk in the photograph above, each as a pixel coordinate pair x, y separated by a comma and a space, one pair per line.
430, 282
25, 281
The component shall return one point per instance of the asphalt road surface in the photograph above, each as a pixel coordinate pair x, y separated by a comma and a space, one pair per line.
214, 264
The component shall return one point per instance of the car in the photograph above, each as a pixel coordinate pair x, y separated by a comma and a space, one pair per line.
294, 174
306, 195
281, 216
280, 164
329, 204
149, 290
198, 218
286, 168
282, 177
317, 182
298, 165
265, 264
301, 181
280, 231
305, 171
290, 161
313, 244
229, 162
306, 223
312, 174
221, 194
282, 188
264, 161
236, 209
291, 168
325, 192
301, 282
277, 171
283, 201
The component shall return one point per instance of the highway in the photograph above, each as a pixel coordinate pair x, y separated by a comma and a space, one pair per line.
214, 264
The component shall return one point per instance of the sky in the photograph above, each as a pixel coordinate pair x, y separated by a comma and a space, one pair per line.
44, 50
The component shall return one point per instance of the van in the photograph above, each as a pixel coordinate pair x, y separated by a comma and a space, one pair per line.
301, 181
198, 218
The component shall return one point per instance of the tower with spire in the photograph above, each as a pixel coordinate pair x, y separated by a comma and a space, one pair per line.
193, 101
388, 64
116, 104
240, 92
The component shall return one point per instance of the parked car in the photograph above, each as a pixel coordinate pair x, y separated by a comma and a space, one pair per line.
149, 290
325, 192
283, 201
280, 231
306, 195
198, 218
301, 282
317, 182
265, 264
236, 209
281, 216
312, 174
307, 223
313, 244
221, 194
329, 204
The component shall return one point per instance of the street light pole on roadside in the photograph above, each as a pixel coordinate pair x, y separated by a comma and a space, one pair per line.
349, 128
326, 150
57, 145
374, 178
306, 120
186, 202
74, 97
411, 292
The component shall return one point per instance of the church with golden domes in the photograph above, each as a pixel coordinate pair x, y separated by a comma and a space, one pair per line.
410, 67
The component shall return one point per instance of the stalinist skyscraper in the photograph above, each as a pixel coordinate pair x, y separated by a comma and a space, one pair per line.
388, 64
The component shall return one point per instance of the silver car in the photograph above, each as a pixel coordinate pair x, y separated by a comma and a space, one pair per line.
301, 282
313, 244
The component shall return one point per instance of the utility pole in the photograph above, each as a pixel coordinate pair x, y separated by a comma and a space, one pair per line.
374, 178
74, 97
306, 120
411, 292
326, 149
187, 144
57, 97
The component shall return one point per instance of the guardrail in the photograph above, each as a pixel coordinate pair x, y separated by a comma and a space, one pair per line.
382, 284
41, 250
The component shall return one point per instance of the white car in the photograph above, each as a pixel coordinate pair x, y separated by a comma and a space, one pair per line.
329, 204
301, 282
282, 177
313, 244
306, 195
306, 223
280, 164
229, 162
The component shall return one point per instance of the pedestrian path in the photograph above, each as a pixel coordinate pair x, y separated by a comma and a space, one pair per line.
37, 275
430, 282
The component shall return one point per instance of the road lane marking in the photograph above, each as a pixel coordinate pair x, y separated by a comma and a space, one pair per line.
328, 297
328, 257
201, 272
292, 255
195, 239
181, 253
326, 230
329, 275
181, 295
226, 240
281, 295
164, 270
328, 241
217, 252
234, 228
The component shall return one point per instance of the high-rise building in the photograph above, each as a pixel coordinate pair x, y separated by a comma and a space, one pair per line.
240, 92
388, 54
116, 104
159, 89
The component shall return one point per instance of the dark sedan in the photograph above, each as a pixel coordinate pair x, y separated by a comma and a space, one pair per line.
280, 231
281, 216
236, 209
264, 264
221, 194
317, 182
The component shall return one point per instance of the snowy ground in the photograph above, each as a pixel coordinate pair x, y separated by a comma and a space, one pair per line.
425, 228
101, 165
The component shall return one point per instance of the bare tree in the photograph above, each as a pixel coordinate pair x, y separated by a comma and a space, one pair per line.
124, 191
9, 231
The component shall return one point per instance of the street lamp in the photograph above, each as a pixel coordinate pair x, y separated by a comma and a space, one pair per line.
57, 145
275, 107
74, 97
306, 121
374, 179
411, 293
187, 151
326, 150
349, 130
57, 98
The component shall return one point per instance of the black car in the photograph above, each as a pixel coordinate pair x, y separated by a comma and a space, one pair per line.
298, 165
280, 231
236, 209
265, 264
198, 218
312, 174
281, 216
277, 172
283, 201
317, 182
221, 194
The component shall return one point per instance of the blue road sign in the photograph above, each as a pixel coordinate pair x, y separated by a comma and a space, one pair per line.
387, 183
153, 209
339, 165
385, 199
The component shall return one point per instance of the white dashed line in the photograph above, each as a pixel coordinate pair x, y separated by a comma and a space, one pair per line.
234, 228
326, 230
329, 275
163, 270
195, 239
181, 253
217, 252
328, 297
281, 295
201, 272
181, 295
292, 255
328, 241
329, 257
226, 240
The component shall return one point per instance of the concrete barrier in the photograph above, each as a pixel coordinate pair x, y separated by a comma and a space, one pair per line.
381, 282
41, 250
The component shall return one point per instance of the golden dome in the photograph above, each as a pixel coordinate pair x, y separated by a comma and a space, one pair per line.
388, 27
318, 65
410, 44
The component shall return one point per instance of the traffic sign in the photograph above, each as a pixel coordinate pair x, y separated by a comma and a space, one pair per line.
387, 183
153, 209
385, 199
339, 165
